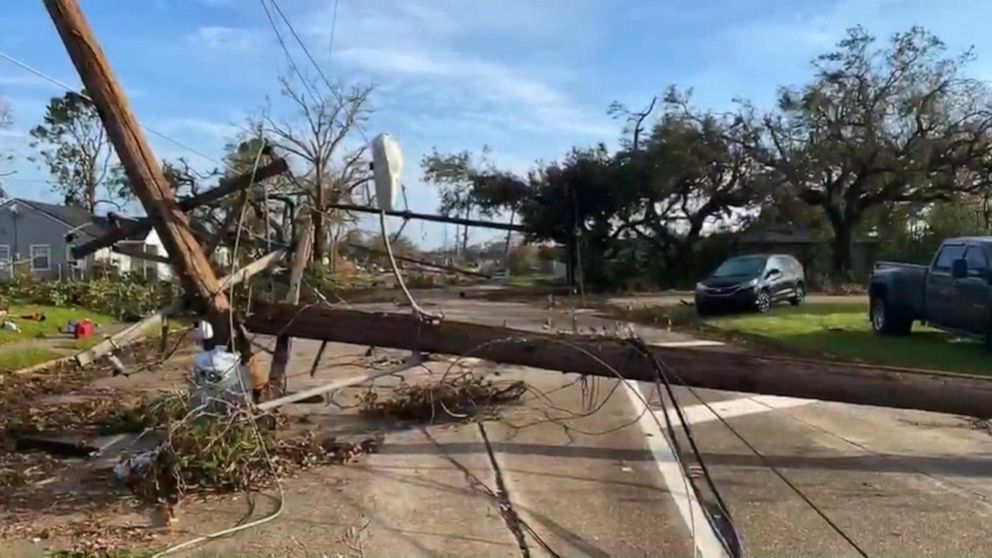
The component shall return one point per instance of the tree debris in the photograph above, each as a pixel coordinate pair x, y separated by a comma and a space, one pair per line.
460, 397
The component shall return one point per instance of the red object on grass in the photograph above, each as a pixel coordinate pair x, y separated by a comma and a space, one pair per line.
84, 328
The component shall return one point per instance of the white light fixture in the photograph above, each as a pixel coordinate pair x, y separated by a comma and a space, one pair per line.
387, 166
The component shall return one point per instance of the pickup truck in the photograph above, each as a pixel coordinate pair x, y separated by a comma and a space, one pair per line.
953, 293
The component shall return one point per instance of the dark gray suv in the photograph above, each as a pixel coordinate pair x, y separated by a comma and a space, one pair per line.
752, 282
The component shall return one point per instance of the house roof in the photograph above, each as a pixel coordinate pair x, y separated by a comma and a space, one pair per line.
72, 217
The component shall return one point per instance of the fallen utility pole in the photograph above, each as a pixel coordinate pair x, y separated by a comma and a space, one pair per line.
422, 263
430, 217
602, 356
140, 164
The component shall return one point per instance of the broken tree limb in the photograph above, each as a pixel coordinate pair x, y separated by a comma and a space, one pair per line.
451, 268
731, 371
301, 255
238, 183
134, 253
133, 228
411, 361
120, 231
136, 330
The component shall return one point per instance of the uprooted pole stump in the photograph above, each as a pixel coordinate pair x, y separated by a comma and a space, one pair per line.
603, 356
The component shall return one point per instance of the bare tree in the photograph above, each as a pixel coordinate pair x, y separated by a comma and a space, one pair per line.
318, 132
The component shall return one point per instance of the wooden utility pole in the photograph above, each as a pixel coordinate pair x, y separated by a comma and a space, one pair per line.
610, 357
142, 169
280, 357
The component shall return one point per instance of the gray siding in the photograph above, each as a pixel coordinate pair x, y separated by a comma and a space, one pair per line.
29, 227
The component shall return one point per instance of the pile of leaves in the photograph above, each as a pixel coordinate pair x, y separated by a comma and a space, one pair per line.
125, 298
453, 398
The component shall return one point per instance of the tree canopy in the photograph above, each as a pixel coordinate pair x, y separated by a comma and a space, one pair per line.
892, 127
77, 153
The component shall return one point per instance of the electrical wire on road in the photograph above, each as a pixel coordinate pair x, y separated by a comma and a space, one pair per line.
734, 542
663, 369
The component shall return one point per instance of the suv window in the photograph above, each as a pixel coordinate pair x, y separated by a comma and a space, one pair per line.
948, 254
976, 259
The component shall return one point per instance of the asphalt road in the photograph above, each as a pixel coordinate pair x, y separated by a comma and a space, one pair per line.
583, 468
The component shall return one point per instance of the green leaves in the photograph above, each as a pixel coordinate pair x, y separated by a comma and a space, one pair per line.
74, 146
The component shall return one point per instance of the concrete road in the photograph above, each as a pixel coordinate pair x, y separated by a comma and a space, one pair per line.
583, 468
798, 476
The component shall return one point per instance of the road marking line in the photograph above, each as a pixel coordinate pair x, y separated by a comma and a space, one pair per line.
704, 538
731, 408
691, 343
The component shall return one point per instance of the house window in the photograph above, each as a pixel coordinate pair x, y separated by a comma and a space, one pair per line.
41, 257
4, 256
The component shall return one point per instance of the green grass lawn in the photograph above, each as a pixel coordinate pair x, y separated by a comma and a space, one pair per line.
55, 320
835, 330
22, 358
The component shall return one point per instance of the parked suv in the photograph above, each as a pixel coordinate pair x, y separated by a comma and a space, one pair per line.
752, 282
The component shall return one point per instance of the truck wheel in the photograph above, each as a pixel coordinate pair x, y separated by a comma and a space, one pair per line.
886, 321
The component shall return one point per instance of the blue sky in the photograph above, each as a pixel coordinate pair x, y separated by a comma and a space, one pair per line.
528, 77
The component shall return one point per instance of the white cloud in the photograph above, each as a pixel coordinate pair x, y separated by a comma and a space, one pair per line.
453, 55
521, 101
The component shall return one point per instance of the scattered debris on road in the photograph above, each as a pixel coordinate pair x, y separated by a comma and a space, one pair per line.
437, 400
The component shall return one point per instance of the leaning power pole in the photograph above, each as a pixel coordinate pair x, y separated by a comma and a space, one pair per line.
143, 171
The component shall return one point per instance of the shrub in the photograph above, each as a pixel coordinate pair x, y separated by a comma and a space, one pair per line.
123, 298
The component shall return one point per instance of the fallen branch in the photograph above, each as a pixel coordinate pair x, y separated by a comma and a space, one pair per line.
412, 361
605, 356
135, 253
138, 329
134, 228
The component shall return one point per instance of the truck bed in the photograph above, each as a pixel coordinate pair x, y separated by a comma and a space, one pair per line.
906, 283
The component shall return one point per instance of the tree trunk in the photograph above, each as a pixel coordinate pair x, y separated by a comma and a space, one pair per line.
319, 232
506, 247
842, 245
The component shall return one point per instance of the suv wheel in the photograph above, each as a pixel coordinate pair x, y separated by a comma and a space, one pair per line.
799, 297
763, 302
